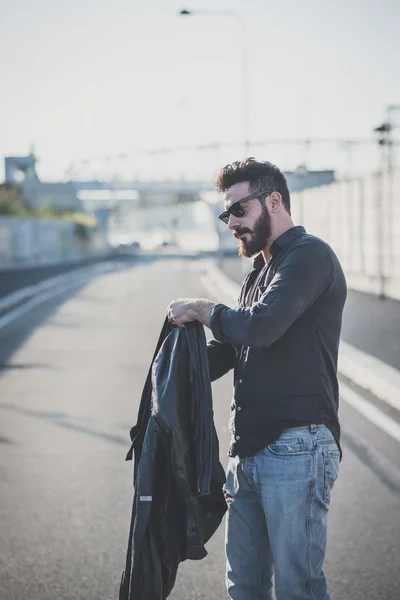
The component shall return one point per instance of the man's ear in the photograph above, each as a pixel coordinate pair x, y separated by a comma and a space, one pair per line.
275, 201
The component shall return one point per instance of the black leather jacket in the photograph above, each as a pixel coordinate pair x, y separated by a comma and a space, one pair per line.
178, 502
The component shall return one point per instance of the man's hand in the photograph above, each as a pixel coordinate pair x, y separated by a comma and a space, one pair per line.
181, 311
185, 310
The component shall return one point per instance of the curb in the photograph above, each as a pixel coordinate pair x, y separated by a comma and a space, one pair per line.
366, 371
51, 286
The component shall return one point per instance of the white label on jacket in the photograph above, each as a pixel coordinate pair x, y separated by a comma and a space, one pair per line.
145, 498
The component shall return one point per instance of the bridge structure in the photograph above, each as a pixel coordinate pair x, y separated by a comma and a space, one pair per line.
76, 193
179, 186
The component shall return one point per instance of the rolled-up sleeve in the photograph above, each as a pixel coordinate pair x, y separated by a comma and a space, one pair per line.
304, 274
221, 358
215, 322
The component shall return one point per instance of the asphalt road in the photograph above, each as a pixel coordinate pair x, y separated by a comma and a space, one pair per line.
70, 385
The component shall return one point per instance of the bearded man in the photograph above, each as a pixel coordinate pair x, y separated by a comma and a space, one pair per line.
282, 342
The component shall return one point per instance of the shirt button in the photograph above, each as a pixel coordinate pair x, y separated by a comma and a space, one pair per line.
238, 437
240, 380
238, 408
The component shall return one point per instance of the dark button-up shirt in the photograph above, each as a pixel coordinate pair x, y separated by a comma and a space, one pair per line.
282, 342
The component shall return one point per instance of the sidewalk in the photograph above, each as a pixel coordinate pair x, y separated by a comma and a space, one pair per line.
370, 324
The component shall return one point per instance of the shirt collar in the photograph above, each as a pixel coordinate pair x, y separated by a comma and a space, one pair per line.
279, 244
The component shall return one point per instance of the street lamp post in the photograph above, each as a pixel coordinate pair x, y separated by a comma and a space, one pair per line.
243, 38
385, 216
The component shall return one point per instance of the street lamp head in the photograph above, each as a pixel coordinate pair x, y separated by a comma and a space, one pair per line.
185, 12
384, 128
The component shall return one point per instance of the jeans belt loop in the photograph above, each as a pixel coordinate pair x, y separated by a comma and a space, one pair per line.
313, 428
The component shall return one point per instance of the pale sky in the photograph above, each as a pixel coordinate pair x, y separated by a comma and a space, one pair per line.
93, 78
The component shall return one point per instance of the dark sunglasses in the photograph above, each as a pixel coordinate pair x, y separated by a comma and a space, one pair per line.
236, 210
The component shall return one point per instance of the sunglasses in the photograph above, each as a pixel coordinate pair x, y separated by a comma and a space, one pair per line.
236, 209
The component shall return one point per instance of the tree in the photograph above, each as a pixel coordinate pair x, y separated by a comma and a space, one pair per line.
12, 201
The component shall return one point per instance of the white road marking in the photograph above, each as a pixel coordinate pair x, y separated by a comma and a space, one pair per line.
370, 412
370, 373
36, 301
73, 279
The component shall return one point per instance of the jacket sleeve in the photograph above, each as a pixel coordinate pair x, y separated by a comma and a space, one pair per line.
304, 274
221, 358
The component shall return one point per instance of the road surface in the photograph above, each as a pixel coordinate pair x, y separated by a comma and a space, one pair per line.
70, 385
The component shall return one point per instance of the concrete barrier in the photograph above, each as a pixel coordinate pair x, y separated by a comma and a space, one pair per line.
42, 241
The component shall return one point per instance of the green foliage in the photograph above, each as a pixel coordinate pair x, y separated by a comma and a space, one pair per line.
13, 204
46, 211
12, 201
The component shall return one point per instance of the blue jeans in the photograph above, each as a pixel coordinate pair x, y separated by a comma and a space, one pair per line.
276, 528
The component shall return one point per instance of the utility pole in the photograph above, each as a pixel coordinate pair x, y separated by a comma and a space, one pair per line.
385, 203
385, 139
391, 109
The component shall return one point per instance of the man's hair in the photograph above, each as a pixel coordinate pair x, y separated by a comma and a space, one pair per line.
261, 175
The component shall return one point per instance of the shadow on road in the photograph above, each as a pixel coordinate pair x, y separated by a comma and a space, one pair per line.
14, 335
61, 419
5, 440
18, 332
23, 367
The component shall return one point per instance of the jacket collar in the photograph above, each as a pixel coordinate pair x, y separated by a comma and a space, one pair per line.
279, 244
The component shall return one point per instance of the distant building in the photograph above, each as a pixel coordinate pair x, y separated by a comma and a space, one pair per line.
21, 171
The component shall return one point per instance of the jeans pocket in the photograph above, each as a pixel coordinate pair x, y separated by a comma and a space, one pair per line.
331, 471
287, 448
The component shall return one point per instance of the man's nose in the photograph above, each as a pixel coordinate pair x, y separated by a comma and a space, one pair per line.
233, 222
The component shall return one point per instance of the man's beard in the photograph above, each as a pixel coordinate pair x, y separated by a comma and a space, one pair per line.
260, 234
